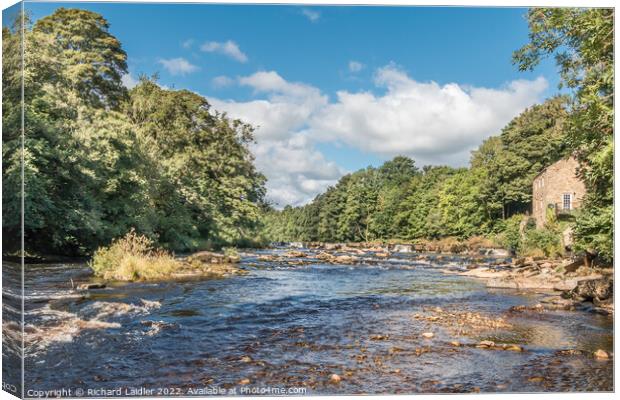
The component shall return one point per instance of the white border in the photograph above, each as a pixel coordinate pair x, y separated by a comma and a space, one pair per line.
479, 3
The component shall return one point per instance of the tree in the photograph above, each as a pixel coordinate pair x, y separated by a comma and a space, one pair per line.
99, 161
221, 196
460, 204
582, 42
92, 60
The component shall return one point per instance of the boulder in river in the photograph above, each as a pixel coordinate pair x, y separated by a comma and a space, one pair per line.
335, 378
210, 257
601, 354
595, 290
91, 286
402, 248
514, 347
345, 259
324, 256
295, 254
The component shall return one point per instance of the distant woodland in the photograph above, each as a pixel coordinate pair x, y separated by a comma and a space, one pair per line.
100, 159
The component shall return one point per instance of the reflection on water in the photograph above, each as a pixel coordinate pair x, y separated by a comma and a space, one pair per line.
285, 326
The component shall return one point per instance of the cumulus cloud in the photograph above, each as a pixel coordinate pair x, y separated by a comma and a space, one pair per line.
287, 108
313, 16
222, 81
228, 48
178, 66
296, 171
355, 66
432, 123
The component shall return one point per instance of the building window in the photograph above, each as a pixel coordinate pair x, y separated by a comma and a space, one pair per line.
566, 201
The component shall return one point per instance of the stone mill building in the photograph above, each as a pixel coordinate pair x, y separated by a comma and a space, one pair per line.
557, 189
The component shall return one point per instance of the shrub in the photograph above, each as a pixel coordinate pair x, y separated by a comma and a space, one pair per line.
510, 233
133, 258
231, 252
542, 242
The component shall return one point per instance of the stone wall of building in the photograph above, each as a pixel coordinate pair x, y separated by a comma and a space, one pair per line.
550, 186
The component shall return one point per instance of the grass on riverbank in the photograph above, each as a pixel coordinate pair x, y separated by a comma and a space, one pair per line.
133, 258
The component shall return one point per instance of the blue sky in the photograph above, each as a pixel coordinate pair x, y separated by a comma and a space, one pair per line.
335, 89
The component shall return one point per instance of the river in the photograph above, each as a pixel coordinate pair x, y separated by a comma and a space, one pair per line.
291, 326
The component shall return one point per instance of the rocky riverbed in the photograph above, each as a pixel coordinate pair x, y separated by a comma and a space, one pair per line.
574, 283
327, 321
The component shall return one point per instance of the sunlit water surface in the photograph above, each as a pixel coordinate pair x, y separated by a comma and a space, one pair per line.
293, 326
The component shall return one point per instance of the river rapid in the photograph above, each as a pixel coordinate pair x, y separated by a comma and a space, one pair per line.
287, 327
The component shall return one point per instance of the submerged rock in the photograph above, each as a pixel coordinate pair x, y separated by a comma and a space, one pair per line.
428, 335
514, 347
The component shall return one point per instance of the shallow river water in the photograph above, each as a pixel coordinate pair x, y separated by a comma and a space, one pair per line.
289, 327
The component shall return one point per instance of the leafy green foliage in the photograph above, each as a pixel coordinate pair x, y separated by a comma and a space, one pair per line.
510, 232
582, 42
398, 201
529, 143
99, 160
545, 242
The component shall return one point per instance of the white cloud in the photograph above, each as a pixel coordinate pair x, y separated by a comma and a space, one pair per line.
355, 66
129, 81
187, 44
312, 15
296, 171
222, 81
229, 48
287, 108
178, 66
432, 123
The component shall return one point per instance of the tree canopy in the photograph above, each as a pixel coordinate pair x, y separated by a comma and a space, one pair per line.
582, 42
100, 160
